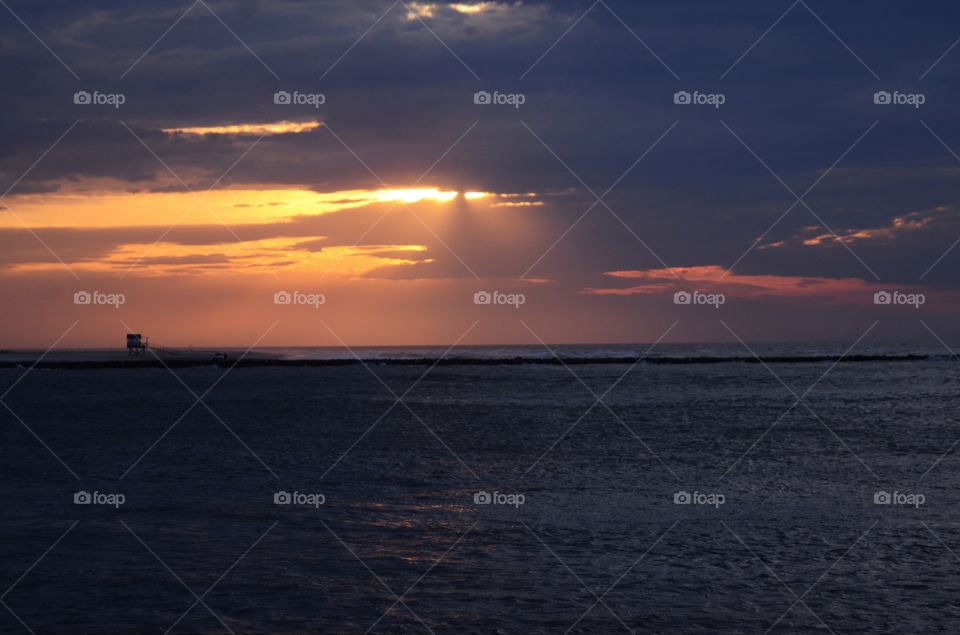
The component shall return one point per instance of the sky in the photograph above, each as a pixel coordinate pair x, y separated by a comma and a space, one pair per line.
308, 172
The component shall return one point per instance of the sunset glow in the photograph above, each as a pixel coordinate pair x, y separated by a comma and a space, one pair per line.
248, 129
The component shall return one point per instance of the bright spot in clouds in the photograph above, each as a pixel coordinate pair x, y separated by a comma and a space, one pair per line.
428, 9
249, 129
414, 195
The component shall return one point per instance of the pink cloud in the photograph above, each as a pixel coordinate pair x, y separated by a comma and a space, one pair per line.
745, 286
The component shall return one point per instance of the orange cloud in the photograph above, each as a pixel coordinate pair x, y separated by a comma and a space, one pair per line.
900, 226
744, 286
234, 206
248, 129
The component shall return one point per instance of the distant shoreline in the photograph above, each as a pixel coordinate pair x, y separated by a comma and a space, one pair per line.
266, 362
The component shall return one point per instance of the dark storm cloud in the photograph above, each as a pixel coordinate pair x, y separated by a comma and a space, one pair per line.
799, 100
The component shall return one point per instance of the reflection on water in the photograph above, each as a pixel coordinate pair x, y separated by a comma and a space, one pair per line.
404, 516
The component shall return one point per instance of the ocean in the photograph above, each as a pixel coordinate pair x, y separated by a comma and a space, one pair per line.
799, 495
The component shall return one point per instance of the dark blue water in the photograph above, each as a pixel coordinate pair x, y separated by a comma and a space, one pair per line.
598, 544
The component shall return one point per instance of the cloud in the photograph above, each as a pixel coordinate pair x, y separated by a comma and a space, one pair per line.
348, 233
743, 286
248, 129
943, 218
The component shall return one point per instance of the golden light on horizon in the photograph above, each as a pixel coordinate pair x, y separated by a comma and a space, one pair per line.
248, 129
136, 209
414, 195
241, 230
236, 257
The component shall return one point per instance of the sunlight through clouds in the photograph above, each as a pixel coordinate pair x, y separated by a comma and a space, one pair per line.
248, 129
